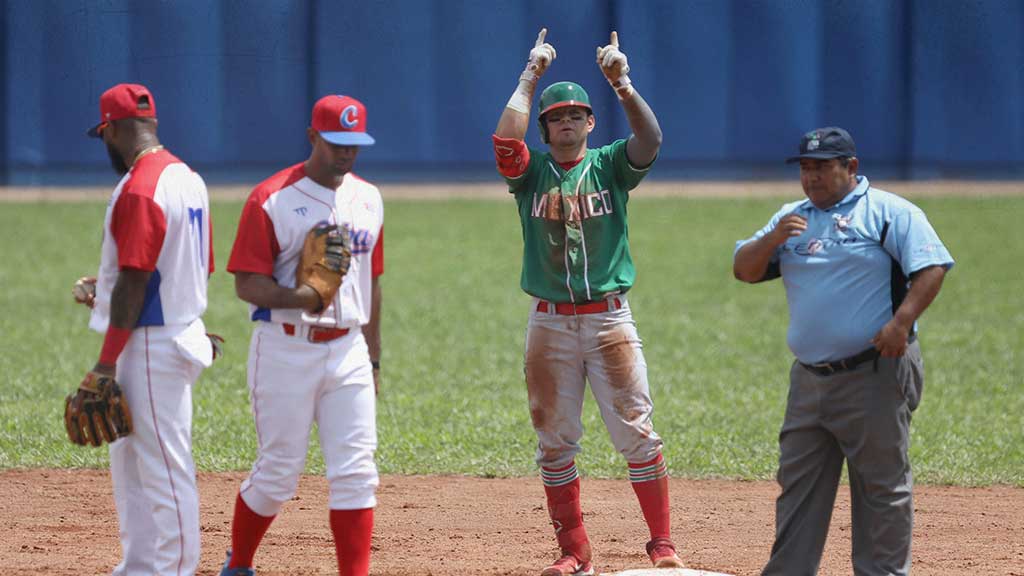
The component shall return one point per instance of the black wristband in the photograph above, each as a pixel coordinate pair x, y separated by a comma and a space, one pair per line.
375, 364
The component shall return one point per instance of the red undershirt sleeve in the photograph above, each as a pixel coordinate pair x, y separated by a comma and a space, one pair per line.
377, 259
209, 237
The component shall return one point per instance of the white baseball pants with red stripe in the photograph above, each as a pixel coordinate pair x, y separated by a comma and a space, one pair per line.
293, 383
152, 469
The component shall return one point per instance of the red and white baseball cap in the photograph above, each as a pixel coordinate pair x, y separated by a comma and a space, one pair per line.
124, 101
341, 120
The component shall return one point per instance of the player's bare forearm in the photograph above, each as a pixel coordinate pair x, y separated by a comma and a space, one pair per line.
371, 330
127, 298
263, 291
513, 123
642, 147
515, 119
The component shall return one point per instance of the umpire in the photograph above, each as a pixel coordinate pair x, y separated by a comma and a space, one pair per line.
860, 265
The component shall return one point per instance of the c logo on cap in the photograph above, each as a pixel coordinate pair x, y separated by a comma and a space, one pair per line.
349, 116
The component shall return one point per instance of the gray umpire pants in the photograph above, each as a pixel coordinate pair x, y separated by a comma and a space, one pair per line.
862, 416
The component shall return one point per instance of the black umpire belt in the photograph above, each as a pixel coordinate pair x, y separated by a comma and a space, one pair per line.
846, 364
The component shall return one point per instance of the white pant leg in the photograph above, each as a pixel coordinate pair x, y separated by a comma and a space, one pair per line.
132, 507
617, 371
152, 469
555, 383
285, 374
347, 420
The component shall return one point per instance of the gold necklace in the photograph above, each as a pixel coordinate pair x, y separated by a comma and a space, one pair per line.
156, 148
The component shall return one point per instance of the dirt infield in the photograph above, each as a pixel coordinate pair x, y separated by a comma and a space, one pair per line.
496, 190
63, 522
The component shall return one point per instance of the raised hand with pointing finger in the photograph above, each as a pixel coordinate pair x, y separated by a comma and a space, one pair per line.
568, 194
615, 66
514, 122
541, 57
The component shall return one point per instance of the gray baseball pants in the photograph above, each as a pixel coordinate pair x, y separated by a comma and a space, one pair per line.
861, 416
563, 354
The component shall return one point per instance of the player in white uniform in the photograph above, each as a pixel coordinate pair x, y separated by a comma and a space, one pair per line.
149, 295
306, 366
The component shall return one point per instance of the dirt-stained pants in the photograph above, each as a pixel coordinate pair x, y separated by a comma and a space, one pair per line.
563, 353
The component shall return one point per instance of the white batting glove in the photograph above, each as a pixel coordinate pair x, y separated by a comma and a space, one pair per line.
541, 57
615, 66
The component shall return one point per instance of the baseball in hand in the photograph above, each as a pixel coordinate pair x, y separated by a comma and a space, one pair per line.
84, 291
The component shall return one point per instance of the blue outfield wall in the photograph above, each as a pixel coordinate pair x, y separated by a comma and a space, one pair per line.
929, 88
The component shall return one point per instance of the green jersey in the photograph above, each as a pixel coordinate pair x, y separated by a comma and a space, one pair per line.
575, 237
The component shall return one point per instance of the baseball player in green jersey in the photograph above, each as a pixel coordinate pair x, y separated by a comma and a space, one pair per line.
576, 265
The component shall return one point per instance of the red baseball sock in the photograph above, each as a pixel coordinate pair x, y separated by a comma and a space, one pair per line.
650, 482
353, 532
247, 530
562, 487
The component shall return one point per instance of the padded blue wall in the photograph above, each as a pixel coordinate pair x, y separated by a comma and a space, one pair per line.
928, 88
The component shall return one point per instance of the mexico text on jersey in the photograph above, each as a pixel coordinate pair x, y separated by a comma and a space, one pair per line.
575, 235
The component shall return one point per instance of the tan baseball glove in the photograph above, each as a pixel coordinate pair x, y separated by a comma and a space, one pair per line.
326, 255
97, 412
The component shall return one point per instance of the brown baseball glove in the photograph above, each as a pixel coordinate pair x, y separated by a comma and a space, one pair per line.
97, 412
326, 255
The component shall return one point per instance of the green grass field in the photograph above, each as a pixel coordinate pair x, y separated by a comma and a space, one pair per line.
453, 398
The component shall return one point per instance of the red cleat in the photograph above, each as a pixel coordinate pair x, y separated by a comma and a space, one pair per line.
663, 554
569, 565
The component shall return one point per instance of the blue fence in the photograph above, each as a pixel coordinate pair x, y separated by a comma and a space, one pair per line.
928, 88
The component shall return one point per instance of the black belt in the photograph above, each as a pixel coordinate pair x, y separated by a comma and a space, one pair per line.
836, 366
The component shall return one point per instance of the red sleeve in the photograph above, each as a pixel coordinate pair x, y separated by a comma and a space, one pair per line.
377, 258
512, 155
138, 226
209, 237
256, 245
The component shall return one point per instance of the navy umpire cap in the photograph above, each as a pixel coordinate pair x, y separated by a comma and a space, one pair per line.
825, 143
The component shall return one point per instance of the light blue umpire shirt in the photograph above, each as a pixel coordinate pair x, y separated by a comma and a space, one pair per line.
848, 272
